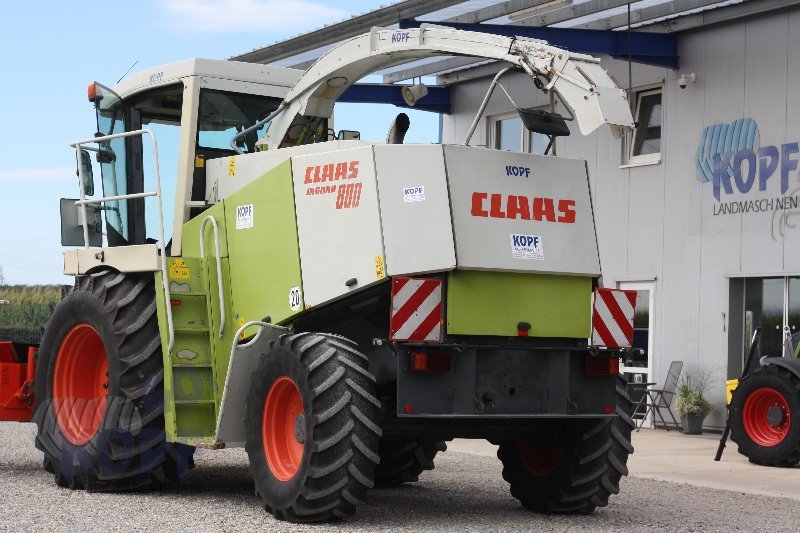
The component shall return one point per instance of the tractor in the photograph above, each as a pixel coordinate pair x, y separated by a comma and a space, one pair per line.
762, 404
339, 308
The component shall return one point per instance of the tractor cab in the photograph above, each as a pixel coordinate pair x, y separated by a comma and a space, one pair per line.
192, 109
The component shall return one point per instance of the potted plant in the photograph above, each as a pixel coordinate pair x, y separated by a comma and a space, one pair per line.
692, 405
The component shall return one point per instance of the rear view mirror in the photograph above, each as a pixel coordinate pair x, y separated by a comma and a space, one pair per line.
86, 172
539, 121
349, 135
72, 224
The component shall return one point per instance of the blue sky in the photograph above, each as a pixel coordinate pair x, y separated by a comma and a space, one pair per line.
49, 53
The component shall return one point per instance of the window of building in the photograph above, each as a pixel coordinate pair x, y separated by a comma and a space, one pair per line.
510, 134
645, 142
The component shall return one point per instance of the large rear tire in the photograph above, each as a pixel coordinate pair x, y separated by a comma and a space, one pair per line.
578, 470
99, 389
404, 459
765, 416
312, 428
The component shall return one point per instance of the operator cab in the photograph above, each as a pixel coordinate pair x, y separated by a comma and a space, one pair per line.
194, 108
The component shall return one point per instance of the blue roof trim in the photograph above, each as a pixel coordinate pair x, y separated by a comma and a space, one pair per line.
437, 100
659, 49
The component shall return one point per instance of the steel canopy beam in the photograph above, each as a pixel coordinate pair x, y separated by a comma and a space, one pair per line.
437, 100
645, 14
334, 33
546, 19
659, 49
711, 17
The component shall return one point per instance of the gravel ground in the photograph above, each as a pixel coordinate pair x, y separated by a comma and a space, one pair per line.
464, 493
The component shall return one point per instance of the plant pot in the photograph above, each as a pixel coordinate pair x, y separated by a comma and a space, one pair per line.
692, 424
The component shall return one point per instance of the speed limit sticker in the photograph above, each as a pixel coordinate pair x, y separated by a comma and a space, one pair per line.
295, 298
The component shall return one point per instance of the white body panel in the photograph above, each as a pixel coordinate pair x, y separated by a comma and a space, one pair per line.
415, 209
376, 210
338, 223
498, 198
224, 178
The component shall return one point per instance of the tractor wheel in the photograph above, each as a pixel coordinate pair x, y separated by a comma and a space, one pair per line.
765, 416
312, 428
404, 459
576, 473
99, 389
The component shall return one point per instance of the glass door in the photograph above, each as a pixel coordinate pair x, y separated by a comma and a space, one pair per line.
773, 304
793, 313
637, 366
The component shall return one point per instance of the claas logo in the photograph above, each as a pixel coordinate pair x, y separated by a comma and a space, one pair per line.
348, 195
523, 207
331, 172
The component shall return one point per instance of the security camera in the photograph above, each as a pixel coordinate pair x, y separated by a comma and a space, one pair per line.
685, 79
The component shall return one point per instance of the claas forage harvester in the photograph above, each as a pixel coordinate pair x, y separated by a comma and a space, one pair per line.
337, 307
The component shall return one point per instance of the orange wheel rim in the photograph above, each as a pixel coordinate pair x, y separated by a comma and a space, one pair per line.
756, 420
80, 384
283, 428
538, 460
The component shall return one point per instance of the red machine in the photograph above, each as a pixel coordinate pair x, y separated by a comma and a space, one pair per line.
17, 369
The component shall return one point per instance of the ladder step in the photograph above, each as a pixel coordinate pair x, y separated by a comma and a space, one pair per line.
190, 330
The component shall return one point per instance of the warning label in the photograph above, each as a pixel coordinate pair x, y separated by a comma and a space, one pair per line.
526, 247
244, 216
178, 269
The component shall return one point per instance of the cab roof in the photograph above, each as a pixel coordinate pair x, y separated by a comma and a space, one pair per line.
211, 68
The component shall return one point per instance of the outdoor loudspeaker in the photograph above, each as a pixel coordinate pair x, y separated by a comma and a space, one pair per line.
412, 93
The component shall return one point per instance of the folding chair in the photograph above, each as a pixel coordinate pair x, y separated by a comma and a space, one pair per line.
656, 399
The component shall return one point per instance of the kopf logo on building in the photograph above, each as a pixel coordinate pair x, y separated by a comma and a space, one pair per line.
730, 156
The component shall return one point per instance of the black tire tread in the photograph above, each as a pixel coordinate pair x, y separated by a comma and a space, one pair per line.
404, 459
345, 431
784, 455
597, 462
132, 453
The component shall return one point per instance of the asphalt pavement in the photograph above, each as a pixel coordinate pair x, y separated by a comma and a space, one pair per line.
464, 493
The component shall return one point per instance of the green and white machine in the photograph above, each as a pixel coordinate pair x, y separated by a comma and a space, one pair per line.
339, 308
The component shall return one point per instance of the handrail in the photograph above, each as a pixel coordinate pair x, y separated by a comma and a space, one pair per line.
483, 105
219, 267
162, 240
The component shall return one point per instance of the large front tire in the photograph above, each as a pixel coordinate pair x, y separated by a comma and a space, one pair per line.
765, 416
99, 389
578, 470
312, 428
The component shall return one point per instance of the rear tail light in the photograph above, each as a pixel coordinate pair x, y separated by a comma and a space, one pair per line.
602, 366
430, 362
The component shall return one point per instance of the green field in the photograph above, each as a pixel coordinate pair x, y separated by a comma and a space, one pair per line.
27, 310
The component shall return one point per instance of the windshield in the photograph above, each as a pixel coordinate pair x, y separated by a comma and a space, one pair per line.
224, 114
111, 120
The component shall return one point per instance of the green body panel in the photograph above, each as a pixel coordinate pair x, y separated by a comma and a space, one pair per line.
191, 233
265, 259
493, 303
260, 265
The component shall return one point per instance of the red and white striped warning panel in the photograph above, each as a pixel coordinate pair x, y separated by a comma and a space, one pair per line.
416, 310
612, 318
